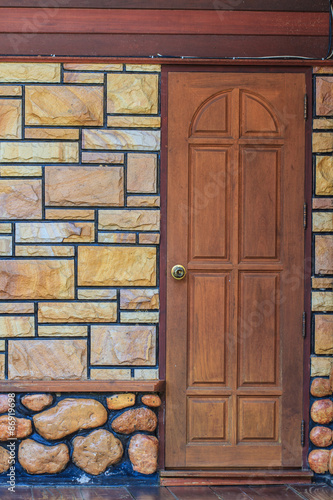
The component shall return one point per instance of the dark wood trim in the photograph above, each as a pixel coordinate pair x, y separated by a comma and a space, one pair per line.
185, 22
82, 386
271, 5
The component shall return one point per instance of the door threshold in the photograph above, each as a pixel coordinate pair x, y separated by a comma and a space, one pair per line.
233, 477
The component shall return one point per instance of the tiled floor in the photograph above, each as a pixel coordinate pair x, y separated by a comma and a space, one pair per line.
315, 492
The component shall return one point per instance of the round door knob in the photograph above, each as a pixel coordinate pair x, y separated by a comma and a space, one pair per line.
178, 272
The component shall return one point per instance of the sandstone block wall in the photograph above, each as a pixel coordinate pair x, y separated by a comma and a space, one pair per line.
79, 221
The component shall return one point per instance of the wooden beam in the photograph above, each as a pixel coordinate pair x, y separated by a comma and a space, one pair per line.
185, 22
7, 386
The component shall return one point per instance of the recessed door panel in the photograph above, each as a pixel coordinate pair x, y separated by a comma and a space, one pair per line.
207, 419
258, 419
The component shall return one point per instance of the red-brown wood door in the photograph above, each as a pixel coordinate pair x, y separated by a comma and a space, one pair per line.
236, 152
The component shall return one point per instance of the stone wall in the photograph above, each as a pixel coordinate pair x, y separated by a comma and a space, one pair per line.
321, 424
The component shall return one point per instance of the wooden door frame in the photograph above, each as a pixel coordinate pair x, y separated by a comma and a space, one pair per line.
252, 68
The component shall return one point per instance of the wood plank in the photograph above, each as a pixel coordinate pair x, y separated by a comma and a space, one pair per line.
72, 493
111, 493
150, 493
231, 493
272, 5
20, 20
316, 492
20, 493
193, 493
272, 493
82, 386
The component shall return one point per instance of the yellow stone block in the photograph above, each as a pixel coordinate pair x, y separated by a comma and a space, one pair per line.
55, 232
93, 67
143, 67
39, 152
322, 221
17, 326
323, 69
52, 133
322, 301
84, 186
141, 173
67, 214
62, 331
149, 239
140, 140
134, 121
20, 171
93, 294
43, 251
322, 142
5, 245
20, 199
2, 345
136, 220
10, 90
110, 158
2, 366
112, 374
120, 401
30, 72
77, 312
322, 123
83, 77
132, 93
322, 283
139, 298
324, 175
116, 237
10, 119
324, 334
116, 266
36, 279
143, 201
64, 105
145, 374
324, 254
5, 228
17, 308
139, 317
321, 367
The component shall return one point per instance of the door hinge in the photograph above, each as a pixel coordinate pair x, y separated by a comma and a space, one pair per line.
305, 107
303, 433
305, 215
304, 325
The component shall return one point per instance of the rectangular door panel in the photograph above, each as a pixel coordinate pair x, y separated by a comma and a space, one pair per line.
258, 419
207, 419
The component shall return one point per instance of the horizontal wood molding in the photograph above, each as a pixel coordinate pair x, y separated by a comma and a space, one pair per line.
269, 5
185, 22
82, 386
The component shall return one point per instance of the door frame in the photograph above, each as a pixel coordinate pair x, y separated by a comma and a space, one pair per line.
251, 68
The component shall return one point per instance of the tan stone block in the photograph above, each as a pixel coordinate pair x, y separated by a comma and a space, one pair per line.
149, 239
324, 254
10, 90
322, 142
320, 367
323, 69
144, 374
47, 359
152, 400
83, 77
141, 173
117, 237
55, 232
322, 123
134, 121
321, 387
37, 402
96, 294
84, 186
139, 317
136, 419
67, 214
77, 312
17, 326
139, 298
324, 175
116, 266
20, 199
93, 67
37, 458
322, 283
16, 307
30, 72
11, 428
322, 221
5, 228
322, 203
2, 366
143, 453
52, 133
103, 374
43, 251
5, 245
111, 158
20, 171
64, 105
143, 201
135, 220
36, 279
139, 140
120, 401
322, 301
10, 119
62, 331
143, 67
123, 345
324, 95
2, 345
130, 94
39, 152
324, 334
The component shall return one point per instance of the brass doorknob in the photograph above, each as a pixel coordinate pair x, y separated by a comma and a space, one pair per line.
178, 272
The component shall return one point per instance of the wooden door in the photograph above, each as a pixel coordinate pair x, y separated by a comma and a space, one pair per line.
235, 222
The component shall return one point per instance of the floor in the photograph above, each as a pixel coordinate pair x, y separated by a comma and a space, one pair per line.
314, 492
